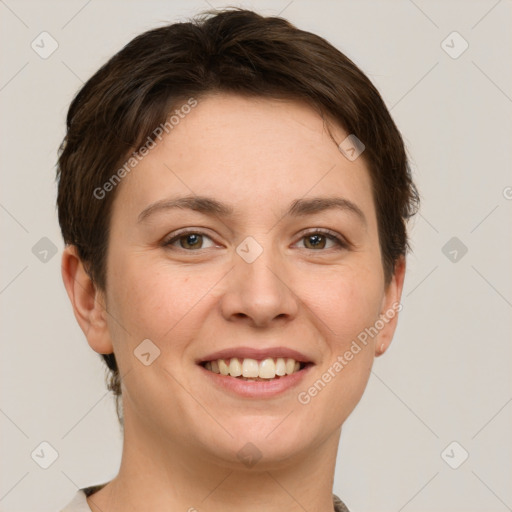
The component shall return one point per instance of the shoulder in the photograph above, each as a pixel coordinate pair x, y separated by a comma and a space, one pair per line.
79, 501
339, 506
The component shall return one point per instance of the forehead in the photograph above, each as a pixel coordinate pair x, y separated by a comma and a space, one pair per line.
248, 151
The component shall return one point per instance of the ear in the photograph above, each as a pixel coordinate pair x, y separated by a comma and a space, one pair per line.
87, 300
390, 308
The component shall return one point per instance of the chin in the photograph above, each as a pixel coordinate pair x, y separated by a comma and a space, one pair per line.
269, 438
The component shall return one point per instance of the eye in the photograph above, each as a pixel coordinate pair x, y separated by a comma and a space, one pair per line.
319, 239
189, 240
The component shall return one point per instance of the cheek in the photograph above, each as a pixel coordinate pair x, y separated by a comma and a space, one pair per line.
346, 302
155, 301
347, 305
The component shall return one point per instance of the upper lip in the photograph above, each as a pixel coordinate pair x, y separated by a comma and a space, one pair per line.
256, 353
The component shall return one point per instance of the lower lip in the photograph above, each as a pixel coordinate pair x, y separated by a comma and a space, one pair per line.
258, 389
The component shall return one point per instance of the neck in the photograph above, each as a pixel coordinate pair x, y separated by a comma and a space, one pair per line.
160, 475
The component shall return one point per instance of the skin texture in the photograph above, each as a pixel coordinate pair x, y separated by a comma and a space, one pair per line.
182, 434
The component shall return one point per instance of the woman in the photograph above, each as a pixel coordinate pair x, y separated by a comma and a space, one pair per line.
233, 195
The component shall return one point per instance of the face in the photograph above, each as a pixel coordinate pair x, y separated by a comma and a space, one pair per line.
273, 255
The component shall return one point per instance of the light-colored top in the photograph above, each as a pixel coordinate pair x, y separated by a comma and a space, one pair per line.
79, 501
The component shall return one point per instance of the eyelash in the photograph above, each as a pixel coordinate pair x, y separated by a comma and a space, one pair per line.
330, 235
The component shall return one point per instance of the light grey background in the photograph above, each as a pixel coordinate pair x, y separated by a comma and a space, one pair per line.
447, 375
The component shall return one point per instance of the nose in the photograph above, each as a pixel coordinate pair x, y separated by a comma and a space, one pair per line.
259, 293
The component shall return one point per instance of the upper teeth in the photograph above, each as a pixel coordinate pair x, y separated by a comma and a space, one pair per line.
251, 368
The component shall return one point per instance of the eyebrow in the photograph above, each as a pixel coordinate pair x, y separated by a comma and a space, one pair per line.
210, 206
200, 204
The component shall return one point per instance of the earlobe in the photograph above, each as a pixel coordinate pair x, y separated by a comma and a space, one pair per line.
391, 306
87, 301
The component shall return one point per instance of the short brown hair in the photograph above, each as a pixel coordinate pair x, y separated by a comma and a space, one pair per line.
235, 51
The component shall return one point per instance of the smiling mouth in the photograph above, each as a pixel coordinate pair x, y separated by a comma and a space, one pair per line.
248, 369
